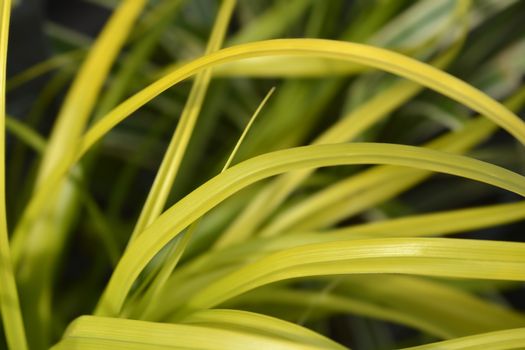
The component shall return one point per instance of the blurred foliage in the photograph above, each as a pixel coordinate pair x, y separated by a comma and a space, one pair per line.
378, 253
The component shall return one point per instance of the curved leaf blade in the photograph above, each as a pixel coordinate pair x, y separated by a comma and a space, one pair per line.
445, 257
190, 208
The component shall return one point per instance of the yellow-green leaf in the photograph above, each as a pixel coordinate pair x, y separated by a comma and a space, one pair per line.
420, 256
9, 303
90, 332
189, 209
501, 340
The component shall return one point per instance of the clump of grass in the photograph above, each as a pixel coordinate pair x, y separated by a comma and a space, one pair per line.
259, 237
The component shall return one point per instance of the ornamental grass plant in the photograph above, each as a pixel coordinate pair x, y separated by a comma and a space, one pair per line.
257, 174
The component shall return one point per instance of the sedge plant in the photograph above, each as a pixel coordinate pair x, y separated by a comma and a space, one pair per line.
268, 175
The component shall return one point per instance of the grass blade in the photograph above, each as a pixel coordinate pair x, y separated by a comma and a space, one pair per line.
452, 312
9, 303
171, 162
90, 332
356, 53
286, 67
189, 209
502, 340
48, 232
343, 131
180, 245
86, 87
39, 69
331, 204
440, 223
169, 167
369, 187
257, 324
25, 133
444, 257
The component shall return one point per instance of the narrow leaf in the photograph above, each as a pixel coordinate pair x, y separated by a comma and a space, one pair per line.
9, 303
189, 209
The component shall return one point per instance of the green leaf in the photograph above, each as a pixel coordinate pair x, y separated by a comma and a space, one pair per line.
169, 167
444, 257
249, 322
187, 210
371, 186
83, 93
90, 332
502, 340
432, 307
47, 233
9, 303
356, 53
25, 133
440, 223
